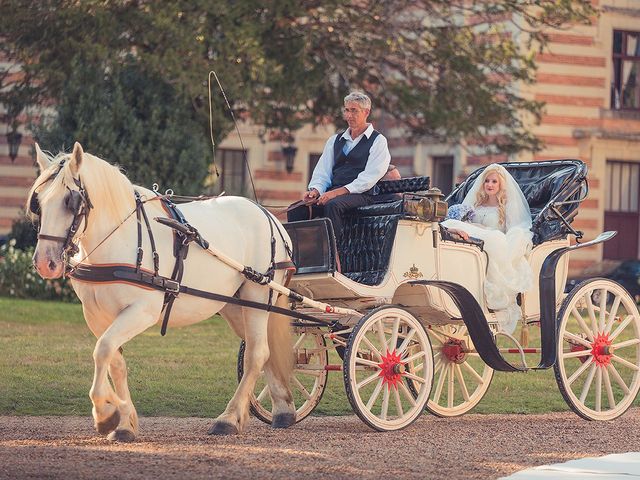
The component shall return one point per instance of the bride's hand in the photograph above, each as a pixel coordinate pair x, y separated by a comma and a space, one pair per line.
461, 233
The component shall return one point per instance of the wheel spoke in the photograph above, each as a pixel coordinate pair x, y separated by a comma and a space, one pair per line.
406, 341
579, 372
368, 380
577, 339
382, 339
625, 363
576, 314
385, 402
441, 338
607, 385
592, 313
576, 354
473, 373
451, 384
303, 390
396, 396
369, 363
415, 378
599, 388
463, 385
587, 383
374, 395
616, 376
262, 393
628, 343
299, 340
407, 394
415, 356
439, 385
621, 327
612, 313
372, 347
393, 343
603, 310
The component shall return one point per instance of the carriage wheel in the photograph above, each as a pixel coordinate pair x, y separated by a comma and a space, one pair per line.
307, 383
598, 367
387, 349
460, 378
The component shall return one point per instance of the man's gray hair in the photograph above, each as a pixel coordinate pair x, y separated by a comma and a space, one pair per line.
360, 98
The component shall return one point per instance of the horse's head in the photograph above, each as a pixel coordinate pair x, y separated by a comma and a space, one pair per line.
59, 199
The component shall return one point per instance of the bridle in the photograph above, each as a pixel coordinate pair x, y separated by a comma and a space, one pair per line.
77, 202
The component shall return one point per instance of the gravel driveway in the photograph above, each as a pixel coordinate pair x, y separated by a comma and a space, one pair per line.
468, 447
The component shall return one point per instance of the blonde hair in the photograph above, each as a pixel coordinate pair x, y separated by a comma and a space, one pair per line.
482, 197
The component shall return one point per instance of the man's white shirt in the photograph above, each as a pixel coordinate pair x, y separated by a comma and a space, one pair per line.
377, 164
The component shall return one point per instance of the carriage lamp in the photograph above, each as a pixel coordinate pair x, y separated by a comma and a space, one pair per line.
13, 139
289, 152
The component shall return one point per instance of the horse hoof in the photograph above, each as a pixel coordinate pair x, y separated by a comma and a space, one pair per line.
109, 425
283, 420
123, 436
223, 428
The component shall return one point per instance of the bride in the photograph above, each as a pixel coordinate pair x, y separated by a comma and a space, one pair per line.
496, 211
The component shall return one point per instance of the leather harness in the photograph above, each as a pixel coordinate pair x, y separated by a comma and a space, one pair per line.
184, 234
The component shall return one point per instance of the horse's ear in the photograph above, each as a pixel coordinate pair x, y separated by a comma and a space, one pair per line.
76, 159
42, 159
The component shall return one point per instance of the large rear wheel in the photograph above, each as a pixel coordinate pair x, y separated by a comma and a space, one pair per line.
598, 366
388, 368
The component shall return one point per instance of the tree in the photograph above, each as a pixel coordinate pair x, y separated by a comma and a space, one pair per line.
131, 118
443, 68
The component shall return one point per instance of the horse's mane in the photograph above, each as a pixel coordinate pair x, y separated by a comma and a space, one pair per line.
110, 192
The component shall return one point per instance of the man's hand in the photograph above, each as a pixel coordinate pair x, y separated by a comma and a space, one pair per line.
311, 196
325, 197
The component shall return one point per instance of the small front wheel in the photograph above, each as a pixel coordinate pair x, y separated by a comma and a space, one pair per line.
307, 382
388, 368
598, 366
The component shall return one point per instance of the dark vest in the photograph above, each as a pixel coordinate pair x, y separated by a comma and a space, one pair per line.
346, 168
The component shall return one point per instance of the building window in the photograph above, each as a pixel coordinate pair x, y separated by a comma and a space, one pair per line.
625, 88
622, 209
233, 171
313, 161
442, 173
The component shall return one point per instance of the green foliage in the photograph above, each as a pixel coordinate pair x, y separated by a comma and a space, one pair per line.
23, 232
18, 279
134, 119
443, 68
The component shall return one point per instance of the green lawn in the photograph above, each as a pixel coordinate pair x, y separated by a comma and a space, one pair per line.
46, 368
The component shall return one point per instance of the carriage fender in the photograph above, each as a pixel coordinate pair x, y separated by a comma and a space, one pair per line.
547, 284
476, 323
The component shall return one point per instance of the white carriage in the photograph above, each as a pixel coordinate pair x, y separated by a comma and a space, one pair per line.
423, 336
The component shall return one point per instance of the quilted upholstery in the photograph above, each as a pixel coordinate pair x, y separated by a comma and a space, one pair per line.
366, 245
409, 184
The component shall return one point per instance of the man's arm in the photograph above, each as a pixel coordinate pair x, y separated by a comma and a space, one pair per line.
322, 174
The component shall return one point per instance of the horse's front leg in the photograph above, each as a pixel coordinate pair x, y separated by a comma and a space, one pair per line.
107, 405
127, 428
236, 415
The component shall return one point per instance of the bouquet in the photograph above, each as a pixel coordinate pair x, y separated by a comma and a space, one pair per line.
461, 212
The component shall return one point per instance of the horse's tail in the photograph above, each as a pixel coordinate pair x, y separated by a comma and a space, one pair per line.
281, 342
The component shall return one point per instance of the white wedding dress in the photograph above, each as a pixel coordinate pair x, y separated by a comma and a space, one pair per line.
507, 247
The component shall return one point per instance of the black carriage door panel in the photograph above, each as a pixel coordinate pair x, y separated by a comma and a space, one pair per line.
622, 209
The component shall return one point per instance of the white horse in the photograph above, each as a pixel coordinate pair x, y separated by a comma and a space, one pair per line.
117, 312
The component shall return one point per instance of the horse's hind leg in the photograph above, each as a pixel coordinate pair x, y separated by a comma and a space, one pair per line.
235, 416
107, 405
279, 367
